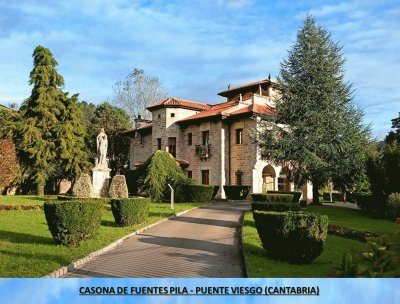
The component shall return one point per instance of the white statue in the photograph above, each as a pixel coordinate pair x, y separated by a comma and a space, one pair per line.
102, 144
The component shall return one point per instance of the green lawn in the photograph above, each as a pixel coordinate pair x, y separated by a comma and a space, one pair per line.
24, 199
260, 265
27, 248
355, 219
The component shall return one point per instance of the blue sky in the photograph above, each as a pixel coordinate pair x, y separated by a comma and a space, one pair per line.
197, 48
15, 291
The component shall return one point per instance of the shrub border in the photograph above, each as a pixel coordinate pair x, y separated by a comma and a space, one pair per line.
79, 263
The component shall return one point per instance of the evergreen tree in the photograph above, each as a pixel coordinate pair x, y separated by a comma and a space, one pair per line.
315, 129
49, 132
71, 140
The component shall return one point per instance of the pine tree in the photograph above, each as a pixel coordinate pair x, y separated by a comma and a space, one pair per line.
49, 132
316, 130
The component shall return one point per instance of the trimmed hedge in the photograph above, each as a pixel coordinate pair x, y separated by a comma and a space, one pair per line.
72, 221
236, 192
296, 194
393, 205
277, 207
130, 211
297, 237
104, 200
198, 193
371, 204
272, 198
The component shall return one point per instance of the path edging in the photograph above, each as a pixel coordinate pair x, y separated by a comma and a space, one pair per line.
246, 271
79, 263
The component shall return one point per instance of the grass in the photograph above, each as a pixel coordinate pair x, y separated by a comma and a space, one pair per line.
24, 199
27, 248
355, 219
260, 265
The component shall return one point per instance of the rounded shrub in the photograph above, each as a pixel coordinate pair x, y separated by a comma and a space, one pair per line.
272, 197
277, 207
72, 221
297, 237
393, 205
130, 211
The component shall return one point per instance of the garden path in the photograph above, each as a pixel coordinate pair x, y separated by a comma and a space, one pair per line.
204, 242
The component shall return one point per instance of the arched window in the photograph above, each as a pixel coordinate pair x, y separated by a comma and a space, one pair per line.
268, 177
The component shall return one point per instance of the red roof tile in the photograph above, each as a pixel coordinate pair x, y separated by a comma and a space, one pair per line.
223, 93
228, 109
255, 108
176, 102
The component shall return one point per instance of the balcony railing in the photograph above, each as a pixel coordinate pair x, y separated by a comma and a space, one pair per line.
203, 151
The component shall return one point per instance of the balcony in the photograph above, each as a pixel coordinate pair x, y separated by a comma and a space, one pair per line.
203, 151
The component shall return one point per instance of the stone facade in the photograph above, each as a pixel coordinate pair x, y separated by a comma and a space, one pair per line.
213, 143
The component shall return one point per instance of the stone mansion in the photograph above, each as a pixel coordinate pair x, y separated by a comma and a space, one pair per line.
212, 143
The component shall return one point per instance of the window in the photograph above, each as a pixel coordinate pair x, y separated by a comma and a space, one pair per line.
239, 136
239, 177
189, 138
205, 177
205, 137
159, 116
189, 174
172, 146
141, 139
158, 143
172, 114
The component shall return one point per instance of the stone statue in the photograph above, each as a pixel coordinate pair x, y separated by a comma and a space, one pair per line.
102, 145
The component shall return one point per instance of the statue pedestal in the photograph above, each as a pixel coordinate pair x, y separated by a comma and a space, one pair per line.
101, 181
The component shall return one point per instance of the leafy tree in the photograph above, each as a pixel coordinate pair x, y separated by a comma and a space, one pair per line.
137, 92
114, 120
50, 130
315, 129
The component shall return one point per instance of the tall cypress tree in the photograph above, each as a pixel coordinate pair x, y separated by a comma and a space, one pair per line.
49, 134
73, 158
315, 129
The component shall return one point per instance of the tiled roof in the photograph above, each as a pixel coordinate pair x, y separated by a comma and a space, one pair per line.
245, 86
255, 108
229, 108
176, 102
132, 132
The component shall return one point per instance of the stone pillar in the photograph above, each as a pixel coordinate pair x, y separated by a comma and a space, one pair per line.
222, 152
101, 181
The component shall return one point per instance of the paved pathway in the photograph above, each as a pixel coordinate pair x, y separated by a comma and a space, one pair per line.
201, 243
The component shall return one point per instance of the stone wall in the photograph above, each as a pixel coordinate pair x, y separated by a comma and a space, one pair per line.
140, 152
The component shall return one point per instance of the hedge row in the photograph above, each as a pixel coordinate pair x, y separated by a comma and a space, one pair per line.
131, 211
198, 193
277, 207
104, 200
296, 194
272, 198
73, 221
293, 236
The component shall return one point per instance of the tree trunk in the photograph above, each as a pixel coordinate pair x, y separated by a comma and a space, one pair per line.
315, 194
40, 190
